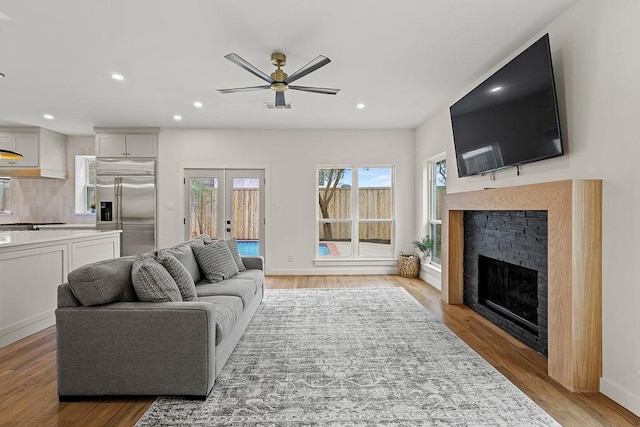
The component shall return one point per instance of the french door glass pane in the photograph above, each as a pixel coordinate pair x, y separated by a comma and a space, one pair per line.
204, 207
375, 239
334, 239
245, 204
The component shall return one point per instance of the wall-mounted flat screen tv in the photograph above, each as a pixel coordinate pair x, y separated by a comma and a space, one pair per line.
511, 118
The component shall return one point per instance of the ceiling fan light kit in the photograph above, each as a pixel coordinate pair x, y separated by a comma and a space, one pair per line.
279, 81
11, 155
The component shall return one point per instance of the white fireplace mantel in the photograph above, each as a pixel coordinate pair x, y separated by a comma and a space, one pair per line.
574, 209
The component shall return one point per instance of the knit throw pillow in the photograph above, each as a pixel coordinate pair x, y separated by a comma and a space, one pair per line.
179, 273
215, 261
232, 244
152, 282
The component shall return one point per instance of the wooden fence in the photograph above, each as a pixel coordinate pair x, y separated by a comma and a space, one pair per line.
245, 223
373, 203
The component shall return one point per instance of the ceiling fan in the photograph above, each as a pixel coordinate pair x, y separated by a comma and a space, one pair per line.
279, 81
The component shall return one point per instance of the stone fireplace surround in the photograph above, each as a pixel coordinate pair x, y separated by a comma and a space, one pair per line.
574, 209
518, 238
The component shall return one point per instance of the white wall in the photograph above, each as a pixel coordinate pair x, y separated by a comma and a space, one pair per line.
290, 159
595, 49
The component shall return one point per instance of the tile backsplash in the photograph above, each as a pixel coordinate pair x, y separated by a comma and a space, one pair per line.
50, 200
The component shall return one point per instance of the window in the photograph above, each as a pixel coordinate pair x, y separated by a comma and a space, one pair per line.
5, 193
355, 213
437, 188
85, 184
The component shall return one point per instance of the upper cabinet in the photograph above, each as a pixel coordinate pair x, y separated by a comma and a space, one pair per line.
44, 152
126, 142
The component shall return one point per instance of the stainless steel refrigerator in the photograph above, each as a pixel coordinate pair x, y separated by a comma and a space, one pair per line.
126, 195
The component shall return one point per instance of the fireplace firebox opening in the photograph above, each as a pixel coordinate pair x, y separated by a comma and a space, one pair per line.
510, 291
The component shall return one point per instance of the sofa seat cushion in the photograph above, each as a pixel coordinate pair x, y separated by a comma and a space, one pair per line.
228, 309
245, 289
257, 276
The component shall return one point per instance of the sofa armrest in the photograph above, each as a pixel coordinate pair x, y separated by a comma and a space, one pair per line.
136, 348
253, 262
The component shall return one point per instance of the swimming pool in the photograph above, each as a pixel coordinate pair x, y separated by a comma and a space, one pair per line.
252, 248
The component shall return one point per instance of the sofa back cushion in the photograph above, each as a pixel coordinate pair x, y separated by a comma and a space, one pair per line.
103, 282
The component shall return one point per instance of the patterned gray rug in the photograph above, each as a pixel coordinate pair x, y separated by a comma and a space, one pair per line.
351, 357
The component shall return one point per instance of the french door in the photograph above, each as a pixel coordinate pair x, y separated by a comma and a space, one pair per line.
226, 203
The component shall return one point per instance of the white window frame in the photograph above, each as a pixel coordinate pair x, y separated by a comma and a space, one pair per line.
5, 207
82, 184
430, 219
355, 221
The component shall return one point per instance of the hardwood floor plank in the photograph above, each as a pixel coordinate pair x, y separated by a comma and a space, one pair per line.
28, 368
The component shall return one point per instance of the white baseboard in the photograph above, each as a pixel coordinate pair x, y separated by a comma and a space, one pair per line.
324, 271
16, 332
620, 395
431, 275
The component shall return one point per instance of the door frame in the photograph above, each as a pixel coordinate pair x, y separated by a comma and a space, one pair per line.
225, 177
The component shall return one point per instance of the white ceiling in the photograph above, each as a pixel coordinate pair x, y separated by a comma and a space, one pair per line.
404, 59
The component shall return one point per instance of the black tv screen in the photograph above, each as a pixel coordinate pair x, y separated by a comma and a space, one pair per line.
511, 118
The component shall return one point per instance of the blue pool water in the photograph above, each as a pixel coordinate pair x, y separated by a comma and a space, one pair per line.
249, 247
252, 248
323, 249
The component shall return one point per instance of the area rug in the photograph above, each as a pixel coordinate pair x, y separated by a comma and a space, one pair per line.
351, 357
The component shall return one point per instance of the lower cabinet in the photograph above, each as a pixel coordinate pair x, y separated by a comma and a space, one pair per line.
30, 274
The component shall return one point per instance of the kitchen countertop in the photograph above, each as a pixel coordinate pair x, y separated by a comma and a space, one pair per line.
66, 226
19, 238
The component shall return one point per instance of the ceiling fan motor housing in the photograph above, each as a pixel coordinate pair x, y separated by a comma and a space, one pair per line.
279, 60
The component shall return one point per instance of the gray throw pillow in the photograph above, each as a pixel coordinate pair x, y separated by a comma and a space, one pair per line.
179, 273
215, 261
152, 282
232, 244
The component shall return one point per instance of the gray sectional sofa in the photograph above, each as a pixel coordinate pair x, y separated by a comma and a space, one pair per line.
111, 343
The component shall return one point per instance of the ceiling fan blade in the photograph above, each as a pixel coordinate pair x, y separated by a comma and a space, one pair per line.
280, 99
244, 89
325, 90
250, 68
319, 61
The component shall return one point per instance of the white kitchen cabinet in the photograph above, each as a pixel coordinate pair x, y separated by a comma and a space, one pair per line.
44, 152
23, 143
133, 142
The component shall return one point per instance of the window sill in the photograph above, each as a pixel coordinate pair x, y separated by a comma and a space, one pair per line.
363, 262
430, 266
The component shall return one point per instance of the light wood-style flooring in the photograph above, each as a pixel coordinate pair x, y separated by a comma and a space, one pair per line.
28, 368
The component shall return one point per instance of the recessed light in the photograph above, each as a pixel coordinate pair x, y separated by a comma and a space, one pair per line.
177, 117
1, 76
48, 116
496, 89
197, 104
360, 106
116, 76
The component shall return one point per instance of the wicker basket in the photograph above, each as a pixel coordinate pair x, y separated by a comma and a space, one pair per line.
408, 265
